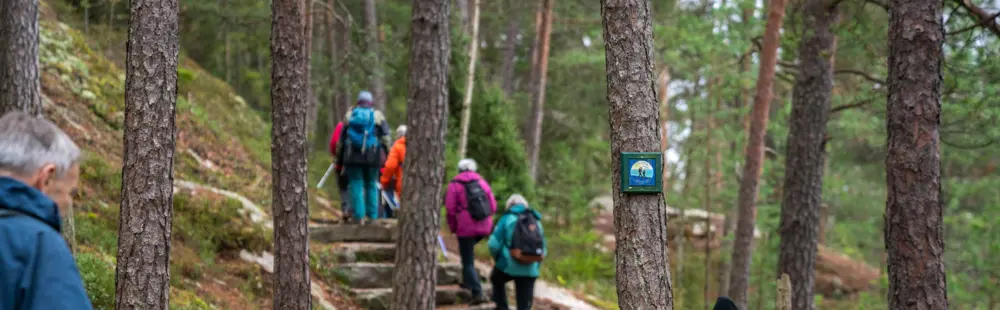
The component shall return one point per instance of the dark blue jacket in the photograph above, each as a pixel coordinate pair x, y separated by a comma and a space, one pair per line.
37, 270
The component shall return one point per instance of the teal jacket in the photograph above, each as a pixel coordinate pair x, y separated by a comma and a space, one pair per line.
501, 237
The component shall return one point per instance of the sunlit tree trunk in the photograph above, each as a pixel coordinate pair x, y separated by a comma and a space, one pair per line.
805, 154
914, 224
643, 273
143, 270
19, 84
538, 104
750, 182
463, 142
510, 50
290, 207
663, 84
427, 106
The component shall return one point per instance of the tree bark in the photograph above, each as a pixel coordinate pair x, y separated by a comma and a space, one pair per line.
143, 273
913, 212
538, 104
288, 152
463, 14
343, 99
643, 275
749, 184
805, 158
371, 30
312, 105
463, 142
19, 79
427, 105
509, 53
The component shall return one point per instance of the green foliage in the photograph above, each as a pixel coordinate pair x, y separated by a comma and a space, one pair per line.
213, 226
98, 273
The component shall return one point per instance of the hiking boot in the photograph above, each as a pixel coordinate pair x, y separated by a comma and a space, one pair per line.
479, 300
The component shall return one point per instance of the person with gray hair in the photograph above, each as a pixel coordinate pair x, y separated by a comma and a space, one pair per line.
470, 205
38, 177
518, 246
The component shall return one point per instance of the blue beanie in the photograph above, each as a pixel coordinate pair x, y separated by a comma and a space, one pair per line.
364, 97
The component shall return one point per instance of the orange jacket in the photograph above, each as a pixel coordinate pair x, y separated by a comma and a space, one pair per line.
394, 165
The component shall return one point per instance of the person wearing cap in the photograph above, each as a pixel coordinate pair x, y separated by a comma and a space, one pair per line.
392, 172
461, 223
361, 151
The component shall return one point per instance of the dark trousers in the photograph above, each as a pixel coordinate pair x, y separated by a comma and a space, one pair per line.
470, 278
524, 290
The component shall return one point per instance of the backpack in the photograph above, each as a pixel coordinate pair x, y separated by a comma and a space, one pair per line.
477, 203
527, 243
362, 141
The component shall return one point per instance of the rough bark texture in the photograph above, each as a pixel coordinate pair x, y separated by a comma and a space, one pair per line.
643, 275
746, 204
805, 155
288, 152
143, 273
371, 30
427, 105
19, 85
534, 142
913, 211
470, 76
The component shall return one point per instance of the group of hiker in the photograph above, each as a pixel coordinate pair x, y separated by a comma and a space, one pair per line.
370, 177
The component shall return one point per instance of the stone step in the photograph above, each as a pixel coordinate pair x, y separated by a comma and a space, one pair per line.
449, 295
486, 306
346, 253
376, 275
382, 231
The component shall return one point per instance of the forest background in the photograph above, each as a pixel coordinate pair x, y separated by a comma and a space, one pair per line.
706, 54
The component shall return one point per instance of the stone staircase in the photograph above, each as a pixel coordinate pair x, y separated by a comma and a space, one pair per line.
365, 255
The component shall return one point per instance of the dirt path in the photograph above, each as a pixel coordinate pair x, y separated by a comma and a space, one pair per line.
547, 296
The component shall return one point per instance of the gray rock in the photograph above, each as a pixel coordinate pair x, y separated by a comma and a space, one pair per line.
384, 232
381, 298
375, 275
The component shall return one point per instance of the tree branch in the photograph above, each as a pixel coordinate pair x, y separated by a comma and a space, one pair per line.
976, 25
853, 105
865, 75
984, 18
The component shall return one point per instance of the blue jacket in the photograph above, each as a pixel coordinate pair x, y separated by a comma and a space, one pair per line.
37, 270
502, 235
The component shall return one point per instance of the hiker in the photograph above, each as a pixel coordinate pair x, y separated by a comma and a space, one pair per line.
362, 151
392, 172
341, 177
518, 247
471, 204
38, 176
724, 303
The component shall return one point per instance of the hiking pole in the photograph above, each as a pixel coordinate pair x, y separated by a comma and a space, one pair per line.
325, 175
444, 251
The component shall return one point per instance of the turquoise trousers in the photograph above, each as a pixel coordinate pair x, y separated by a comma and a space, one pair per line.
364, 194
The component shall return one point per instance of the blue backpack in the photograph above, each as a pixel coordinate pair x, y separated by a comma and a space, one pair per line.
362, 139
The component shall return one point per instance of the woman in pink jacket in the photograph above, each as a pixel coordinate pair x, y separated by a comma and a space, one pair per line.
462, 223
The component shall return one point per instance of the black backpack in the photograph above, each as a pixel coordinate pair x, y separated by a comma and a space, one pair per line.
477, 202
527, 244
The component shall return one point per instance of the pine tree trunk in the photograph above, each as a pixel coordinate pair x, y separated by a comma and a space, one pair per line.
332, 32
372, 32
463, 14
643, 275
509, 53
341, 66
538, 104
463, 141
143, 273
288, 152
533, 73
913, 212
427, 105
750, 182
804, 162
19, 79
312, 107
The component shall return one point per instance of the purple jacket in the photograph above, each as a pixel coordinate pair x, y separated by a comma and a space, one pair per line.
459, 220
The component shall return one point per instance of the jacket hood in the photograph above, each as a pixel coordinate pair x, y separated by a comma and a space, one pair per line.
17, 196
518, 209
468, 176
